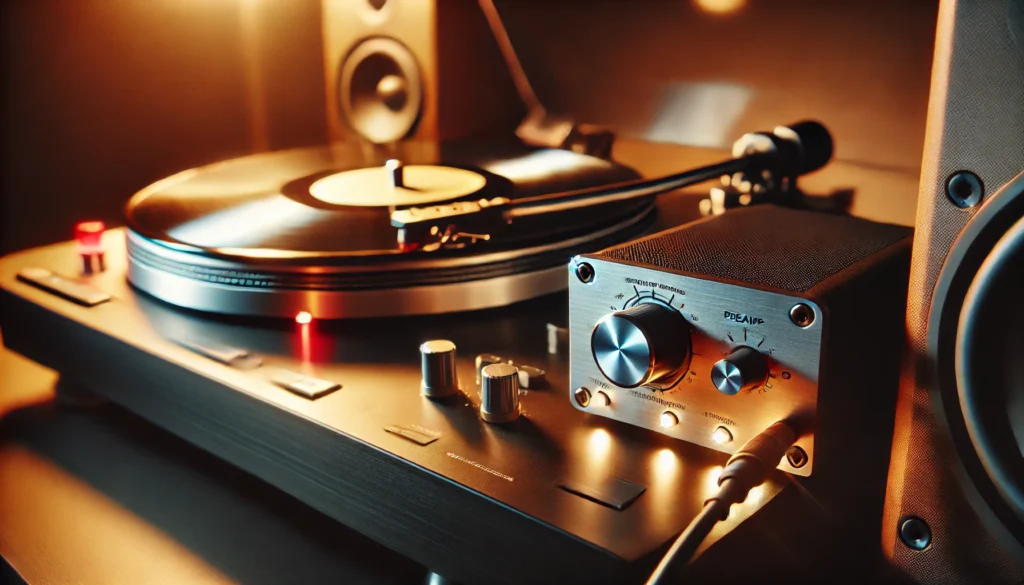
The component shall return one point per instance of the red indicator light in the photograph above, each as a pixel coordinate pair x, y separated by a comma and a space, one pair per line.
89, 235
303, 318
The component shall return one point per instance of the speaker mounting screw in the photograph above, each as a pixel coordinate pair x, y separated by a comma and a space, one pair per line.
796, 457
801, 315
915, 533
585, 272
964, 189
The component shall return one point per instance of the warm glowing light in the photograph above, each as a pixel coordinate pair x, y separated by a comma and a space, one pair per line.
756, 495
721, 436
599, 442
600, 399
699, 113
303, 318
720, 6
668, 420
712, 480
540, 164
89, 235
665, 462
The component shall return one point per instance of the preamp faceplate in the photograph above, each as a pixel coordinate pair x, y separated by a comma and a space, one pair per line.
719, 319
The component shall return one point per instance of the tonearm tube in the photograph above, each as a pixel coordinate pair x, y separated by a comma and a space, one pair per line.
770, 160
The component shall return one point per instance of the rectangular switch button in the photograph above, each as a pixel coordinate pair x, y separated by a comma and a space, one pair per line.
304, 385
66, 288
609, 491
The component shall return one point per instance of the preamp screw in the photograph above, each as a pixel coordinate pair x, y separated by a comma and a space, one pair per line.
964, 189
915, 533
582, 396
796, 456
801, 315
585, 272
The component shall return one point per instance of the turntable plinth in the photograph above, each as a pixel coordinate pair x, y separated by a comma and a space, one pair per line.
457, 503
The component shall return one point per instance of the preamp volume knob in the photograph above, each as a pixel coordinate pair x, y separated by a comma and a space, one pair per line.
743, 369
645, 345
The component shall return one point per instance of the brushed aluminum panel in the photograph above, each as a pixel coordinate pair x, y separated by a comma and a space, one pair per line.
793, 354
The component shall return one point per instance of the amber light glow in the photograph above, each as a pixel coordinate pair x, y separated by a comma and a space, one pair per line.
720, 6
712, 478
721, 436
599, 443
668, 420
665, 462
303, 318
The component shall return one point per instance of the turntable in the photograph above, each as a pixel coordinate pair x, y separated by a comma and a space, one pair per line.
310, 230
283, 311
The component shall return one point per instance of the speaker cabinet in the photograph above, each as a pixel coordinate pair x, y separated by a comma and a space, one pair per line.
955, 501
414, 69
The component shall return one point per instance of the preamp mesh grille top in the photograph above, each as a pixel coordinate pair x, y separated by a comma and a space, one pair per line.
787, 249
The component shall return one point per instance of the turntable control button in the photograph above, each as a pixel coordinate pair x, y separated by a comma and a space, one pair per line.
303, 385
230, 356
531, 377
55, 284
437, 364
485, 359
499, 393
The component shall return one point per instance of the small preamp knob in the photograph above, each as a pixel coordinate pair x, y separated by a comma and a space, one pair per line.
437, 362
645, 345
743, 369
499, 393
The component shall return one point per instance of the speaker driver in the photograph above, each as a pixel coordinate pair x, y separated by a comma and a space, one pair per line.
380, 92
976, 349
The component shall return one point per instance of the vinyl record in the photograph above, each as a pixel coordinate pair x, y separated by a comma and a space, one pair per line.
250, 235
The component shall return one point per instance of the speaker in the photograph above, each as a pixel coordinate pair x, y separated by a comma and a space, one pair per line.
414, 69
955, 500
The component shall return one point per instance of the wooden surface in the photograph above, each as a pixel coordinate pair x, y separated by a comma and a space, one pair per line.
93, 495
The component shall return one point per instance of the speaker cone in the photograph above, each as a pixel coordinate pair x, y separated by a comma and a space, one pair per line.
976, 354
380, 92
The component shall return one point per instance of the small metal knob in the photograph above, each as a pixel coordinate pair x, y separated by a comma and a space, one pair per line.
743, 369
485, 359
437, 361
499, 393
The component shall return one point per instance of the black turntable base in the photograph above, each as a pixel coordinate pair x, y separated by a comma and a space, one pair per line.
557, 496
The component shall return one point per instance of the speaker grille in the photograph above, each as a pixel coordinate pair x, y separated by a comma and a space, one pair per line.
787, 249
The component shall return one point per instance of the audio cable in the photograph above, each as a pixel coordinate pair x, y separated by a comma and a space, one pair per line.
749, 467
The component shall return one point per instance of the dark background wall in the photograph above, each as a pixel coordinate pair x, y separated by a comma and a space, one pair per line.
101, 97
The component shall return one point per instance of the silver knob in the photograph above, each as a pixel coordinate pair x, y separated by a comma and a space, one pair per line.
743, 369
485, 359
437, 363
645, 345
499, 393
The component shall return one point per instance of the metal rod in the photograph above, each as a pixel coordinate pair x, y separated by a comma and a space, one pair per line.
620, 191
515, 68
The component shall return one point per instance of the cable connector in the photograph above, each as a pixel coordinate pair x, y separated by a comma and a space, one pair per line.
751, 465
748, 468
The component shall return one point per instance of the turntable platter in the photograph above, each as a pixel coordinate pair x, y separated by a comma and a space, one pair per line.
312, 226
